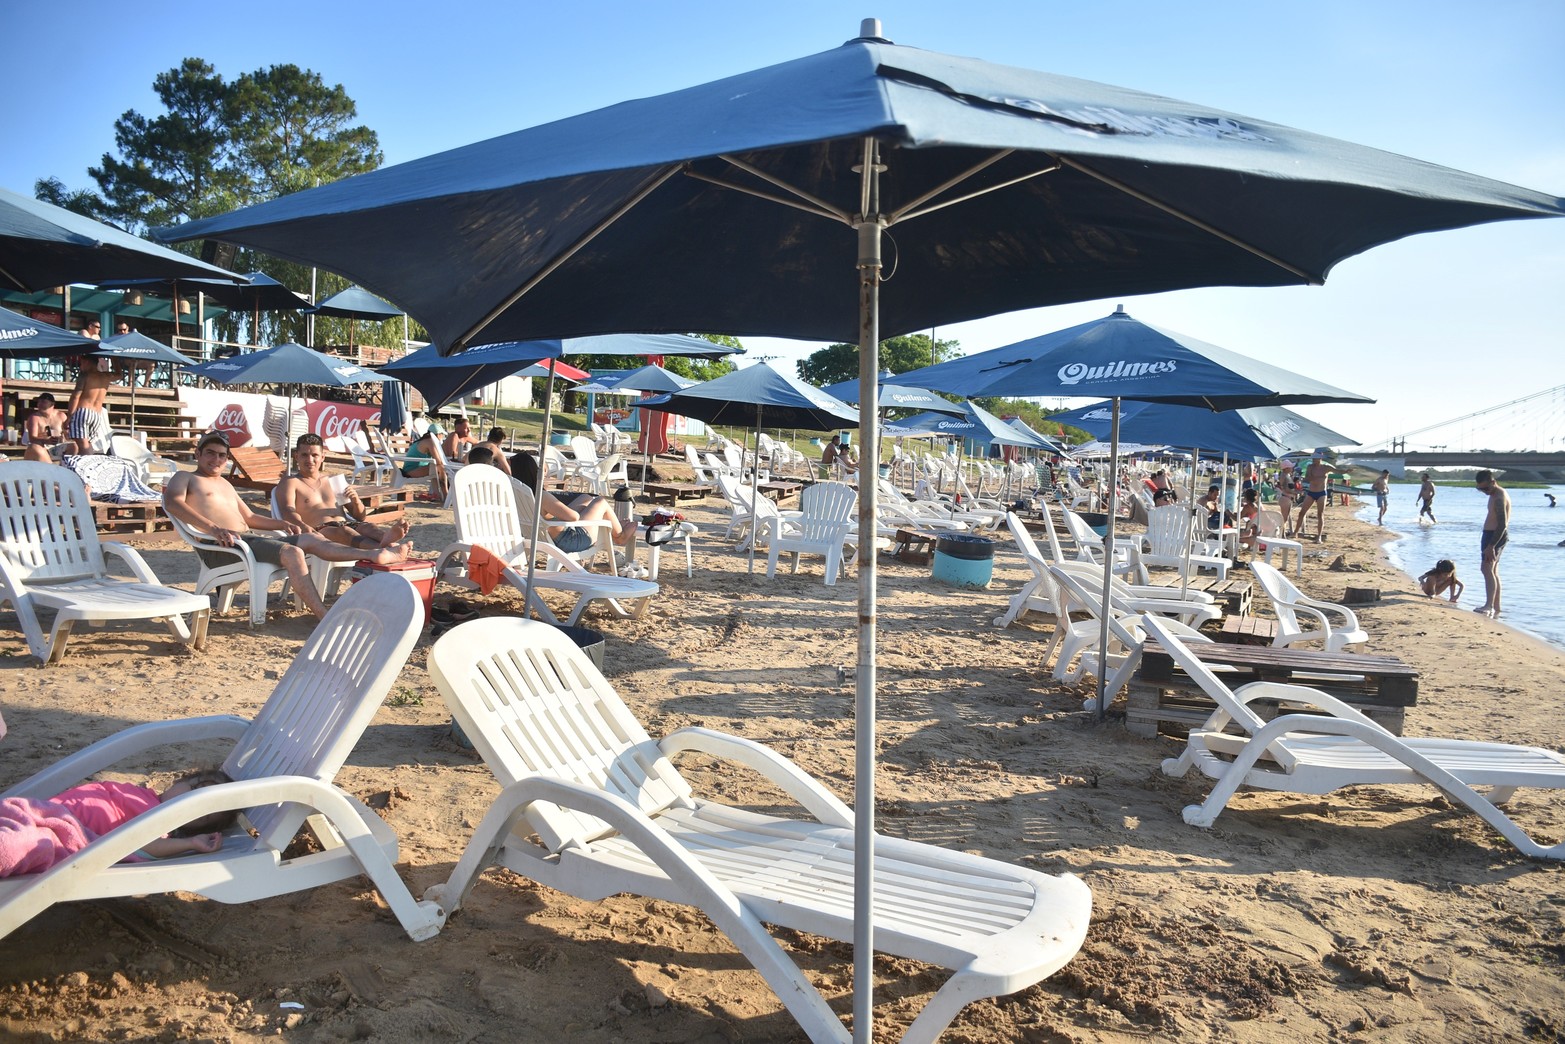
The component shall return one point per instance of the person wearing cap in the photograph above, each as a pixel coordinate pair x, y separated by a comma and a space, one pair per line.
1317, 483
206, 501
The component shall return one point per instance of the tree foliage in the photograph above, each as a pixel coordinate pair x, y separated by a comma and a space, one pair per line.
839, 362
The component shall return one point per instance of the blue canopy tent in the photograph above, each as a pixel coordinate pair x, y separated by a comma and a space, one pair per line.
138, 347
259, 293
748, 204
896, 396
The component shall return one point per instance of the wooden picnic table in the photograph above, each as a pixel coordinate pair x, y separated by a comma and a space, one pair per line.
1161, 694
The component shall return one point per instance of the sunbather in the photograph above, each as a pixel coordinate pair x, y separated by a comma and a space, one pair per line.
309, 498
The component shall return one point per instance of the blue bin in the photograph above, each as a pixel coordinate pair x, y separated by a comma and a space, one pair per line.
964, 561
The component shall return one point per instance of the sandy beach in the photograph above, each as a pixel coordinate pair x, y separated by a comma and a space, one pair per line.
1376, 913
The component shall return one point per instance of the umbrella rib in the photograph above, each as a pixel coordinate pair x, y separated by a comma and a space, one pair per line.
826, 208
770, 197
907, 213
1113, 182
460, 341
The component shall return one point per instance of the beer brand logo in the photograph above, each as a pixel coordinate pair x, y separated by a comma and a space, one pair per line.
1077, 372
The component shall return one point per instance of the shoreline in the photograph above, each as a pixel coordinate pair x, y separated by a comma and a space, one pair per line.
1294, 918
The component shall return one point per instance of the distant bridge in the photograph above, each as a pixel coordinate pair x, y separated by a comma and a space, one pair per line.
1535, 418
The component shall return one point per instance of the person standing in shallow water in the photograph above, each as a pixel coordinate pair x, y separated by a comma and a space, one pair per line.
1493, 540
1382, 488
1426, 499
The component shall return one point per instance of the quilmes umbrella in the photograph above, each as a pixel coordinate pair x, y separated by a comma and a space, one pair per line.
759, 397
895, 396
24, 338
289, 364
443, 377
745, 204
138, 347
974, 423
42, 245
355, 304
650, 378
1122, 358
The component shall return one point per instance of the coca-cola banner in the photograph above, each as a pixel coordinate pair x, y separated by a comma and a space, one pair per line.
242, 416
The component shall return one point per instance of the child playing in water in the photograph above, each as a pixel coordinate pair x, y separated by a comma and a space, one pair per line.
1440, 579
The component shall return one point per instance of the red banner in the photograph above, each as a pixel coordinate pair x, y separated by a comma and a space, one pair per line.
231, 422
332, 420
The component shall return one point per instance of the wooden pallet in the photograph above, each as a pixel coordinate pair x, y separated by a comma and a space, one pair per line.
675, 491
1234, 593
143, 517
913, 546
1248, 630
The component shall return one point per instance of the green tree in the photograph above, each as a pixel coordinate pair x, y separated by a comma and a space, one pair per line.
78, 201
839, 362
290, 131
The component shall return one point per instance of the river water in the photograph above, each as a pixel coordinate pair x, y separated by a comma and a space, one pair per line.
1532, 568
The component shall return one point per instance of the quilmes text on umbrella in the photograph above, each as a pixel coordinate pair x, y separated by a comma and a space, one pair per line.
26, 331
1076, 372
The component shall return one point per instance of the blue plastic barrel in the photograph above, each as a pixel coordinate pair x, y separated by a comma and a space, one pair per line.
962, 560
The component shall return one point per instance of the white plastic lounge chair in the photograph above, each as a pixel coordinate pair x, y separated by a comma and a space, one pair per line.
1089, 545
1038, 594
1079, 592
282, 763
369, 468
602, 530
1191, 607
614, 816
51, 559
1334, 625
1269, 540
1320, 753
1168, 538
487, 517
152, 469
700, 474
239, 567
824, 521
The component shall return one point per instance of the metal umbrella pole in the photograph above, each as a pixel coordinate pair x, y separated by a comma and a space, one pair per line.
755, 489
543, 442
1108, 564
1184, 578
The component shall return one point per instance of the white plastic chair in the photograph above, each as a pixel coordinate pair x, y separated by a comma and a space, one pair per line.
1335, 626
324, 575
1269, 541
1170, 530
52, 559
1319, 753
821, 527
152, 469
225, 578
612, 814
282, 764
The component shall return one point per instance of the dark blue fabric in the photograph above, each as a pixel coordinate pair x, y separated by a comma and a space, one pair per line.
1118, 356
454, 236
652, 378
354, 303
393, 406
24, 338
261, 294
1186, 427
757, 397
976, 423
896, 397
42, 245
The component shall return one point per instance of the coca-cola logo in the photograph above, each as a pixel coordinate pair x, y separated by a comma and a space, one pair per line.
231, 421
332, 420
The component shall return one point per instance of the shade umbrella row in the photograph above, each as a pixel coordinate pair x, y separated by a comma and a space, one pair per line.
758, 204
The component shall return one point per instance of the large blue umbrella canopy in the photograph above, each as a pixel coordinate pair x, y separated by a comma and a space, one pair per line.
1287, 428
259, 293
757, 397
1160, 424
895, 396
976, 423
24, 338
287, 363
1054, 445
747, 204
393, 407
42, 245
138, 347
444, 377
1120, 357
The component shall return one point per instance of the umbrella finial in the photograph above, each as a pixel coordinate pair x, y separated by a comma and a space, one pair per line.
869, 29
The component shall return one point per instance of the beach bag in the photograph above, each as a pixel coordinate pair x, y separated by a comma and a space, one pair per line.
662, 526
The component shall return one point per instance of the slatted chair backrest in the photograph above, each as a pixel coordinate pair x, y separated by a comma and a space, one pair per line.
1168, 530
533, 704
47, 530
326, 698
485, 510
827, 510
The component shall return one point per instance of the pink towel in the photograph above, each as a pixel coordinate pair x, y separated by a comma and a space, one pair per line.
35, 835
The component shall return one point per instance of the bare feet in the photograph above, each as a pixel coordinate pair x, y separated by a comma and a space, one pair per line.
392, 555
396, 533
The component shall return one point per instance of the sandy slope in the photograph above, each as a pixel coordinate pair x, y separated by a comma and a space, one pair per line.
1377, 913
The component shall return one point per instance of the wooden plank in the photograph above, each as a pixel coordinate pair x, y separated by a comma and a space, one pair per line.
254, 468
1151, 710
1382, 680
675, 491
1248, 630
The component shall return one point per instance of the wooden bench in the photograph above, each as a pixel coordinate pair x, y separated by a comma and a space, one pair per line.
1248, 630
913, 545
675, 491
124, 519
1162, 697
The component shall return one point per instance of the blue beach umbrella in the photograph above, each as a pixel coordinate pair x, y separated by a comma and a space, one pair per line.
42, 245
138, 347
1160, 424
896, 396
975, 423
24, 338
287, 363
758, 204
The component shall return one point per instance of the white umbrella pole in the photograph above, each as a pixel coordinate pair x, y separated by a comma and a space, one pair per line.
1108, 565
869, 265
1184, 578
755, 489
543, 443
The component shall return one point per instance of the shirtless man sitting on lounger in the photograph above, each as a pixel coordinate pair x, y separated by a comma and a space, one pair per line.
206, 501
309, 498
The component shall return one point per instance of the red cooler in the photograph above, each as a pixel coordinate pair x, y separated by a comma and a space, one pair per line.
420, 572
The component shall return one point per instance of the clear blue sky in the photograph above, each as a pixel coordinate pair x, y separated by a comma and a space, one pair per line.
1434, 326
